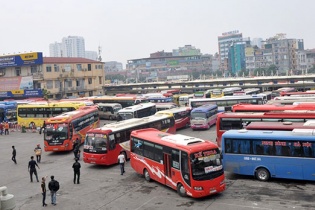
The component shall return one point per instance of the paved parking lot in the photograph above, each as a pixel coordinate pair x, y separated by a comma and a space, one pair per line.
104, 188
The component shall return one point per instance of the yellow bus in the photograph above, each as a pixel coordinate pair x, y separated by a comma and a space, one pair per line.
33, 115
176, 98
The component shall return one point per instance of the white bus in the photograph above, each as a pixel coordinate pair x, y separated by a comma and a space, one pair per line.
109, 111
184, 100
137, 111
225, 103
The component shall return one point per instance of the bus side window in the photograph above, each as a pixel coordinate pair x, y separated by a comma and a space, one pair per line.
112, 142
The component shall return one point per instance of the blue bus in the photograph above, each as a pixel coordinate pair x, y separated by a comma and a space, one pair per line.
160, 99
270, 154
8, 111
203, 117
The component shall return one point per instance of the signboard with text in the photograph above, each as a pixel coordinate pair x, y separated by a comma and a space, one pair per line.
34, 58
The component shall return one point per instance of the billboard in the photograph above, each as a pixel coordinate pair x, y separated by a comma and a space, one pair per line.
16, 83
21, 93
35, 58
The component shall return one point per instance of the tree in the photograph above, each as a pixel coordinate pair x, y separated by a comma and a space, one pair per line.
46, 93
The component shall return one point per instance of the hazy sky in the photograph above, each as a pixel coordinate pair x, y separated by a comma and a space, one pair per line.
130, 29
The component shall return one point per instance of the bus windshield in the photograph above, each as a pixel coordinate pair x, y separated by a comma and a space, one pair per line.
205, 164
56, 132
196, 115
95, 143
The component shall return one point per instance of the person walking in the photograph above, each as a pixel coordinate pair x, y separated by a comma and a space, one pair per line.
6, 128
38, 153
76, 169
122, 160
53, 186
43, 186
42, 129
1, 128
32, 168
76, 147
13, 154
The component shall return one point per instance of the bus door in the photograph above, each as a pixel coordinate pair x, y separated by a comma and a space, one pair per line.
167, 169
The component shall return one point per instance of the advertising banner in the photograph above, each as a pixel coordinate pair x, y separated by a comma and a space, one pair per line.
35, 58
21, 93
16, 83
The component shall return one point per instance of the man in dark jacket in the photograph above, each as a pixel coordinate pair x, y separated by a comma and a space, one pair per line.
76, 169
13, 154
32, 168
53, 190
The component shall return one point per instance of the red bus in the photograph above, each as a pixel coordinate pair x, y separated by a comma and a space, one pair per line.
270, 107
62, 131
190, 165
311, 93
239, 120
103, 145
276, 93
282, 126
181, 115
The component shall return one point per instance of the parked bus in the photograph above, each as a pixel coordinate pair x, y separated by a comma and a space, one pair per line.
203, 117
309, 93
281, 126
160, 99
225, 103
190, 165
33, 114
165, 106
103, 145
184, 100
267, 94
216, 93
230, 91
181, 115
8, 111
137, 111
290, 102
176, 98
270, 154
276, 93
124, 101
239, 120
247, 91
296, 98
270, 107
199, 94
61, 131
109, 111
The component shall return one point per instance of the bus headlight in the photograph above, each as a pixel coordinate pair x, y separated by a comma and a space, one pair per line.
198, 188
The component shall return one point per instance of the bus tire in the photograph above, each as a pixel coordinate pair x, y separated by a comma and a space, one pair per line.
262, 174
146, 175
181, 190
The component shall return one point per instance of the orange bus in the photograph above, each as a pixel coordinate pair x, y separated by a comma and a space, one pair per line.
103, 145
239, 120
270, 107
190, 165
62, 131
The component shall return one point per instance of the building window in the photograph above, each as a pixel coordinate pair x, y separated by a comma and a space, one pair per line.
49, 84
89, 67
90, 81
79, 67
57, 84
56, 68
48, 68
33, 69
18, 71
90, 93
100, 80
77, 83
69, 83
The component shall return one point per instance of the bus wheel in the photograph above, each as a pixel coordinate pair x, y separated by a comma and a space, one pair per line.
32, 125
262, 174
181, 190
146, 175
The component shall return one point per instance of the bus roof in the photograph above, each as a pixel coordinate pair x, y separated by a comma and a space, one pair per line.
189, 143
137, 107
52, 104
205, 108
279, 125
122, 125
174, 110
303, 134
108, 104
65, 117
271, 107
272, 114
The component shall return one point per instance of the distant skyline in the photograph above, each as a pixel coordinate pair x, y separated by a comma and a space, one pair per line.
133, 29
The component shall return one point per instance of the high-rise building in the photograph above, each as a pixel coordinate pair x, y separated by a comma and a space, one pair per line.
73, 46
224, 42
55, 49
